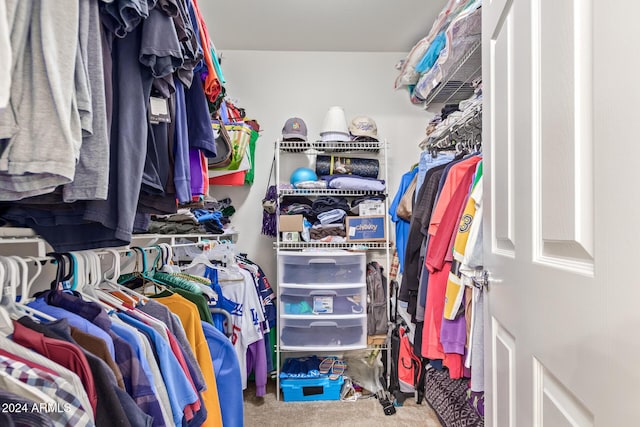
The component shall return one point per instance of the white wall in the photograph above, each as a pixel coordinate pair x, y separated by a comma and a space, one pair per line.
273, 86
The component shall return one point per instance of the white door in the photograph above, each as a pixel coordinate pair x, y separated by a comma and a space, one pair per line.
562, 148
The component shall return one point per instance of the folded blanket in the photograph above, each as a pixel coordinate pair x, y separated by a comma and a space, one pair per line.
354, 182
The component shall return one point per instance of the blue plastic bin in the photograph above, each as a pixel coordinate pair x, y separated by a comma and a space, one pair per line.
301, 389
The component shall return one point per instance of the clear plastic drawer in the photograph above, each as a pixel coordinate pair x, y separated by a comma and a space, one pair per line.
323, 333
322, 267
324, 301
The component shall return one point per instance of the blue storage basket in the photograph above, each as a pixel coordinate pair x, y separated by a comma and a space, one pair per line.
301, 389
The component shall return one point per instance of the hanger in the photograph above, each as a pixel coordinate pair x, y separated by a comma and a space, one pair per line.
17, 310
200, 259
6, 323
144, 274
109, 283
61, 278
85, 273
90, 277
26, 297
167, 259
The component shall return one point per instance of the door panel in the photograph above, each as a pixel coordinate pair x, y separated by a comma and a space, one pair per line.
504, 358
502, 138
561, 199
555, 406
562, 134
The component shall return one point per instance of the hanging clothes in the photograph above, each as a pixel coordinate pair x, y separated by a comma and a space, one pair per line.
128, 95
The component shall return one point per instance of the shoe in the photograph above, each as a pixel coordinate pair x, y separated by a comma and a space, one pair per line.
326, 365
337, 369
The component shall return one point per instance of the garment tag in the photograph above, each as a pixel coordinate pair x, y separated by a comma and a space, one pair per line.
158, 110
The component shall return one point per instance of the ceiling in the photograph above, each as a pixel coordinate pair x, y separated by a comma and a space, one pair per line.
320, 25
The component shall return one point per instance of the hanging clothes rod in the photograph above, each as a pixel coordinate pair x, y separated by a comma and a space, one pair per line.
442, 139
122, 251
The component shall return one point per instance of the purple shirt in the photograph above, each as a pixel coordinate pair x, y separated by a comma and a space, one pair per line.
453, 335
196, 173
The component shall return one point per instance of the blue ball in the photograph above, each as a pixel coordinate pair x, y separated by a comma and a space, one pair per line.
301, 175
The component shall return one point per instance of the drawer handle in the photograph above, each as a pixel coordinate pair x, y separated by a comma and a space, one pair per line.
322, 261
323, 323
321, 292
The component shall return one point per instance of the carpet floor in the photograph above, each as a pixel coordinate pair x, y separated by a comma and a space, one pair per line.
267, 411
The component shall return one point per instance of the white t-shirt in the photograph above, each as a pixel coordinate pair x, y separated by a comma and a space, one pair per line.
247, 316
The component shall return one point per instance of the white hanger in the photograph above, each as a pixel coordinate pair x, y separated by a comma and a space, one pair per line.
27, 297
93, 275
21, 309
6, 324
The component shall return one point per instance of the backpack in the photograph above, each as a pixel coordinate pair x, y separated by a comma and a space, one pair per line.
377, 320
407, 370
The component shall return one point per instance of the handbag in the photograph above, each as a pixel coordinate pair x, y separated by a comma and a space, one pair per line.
224, 148
405, 206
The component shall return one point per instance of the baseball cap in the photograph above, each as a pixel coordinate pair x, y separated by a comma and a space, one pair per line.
362, 126
294, 129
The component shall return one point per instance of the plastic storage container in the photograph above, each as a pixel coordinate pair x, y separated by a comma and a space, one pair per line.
300, 390
324, 333
321, 268
323, 301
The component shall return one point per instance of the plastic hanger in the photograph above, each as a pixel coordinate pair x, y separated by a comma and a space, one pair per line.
14, 308
167, 259
107, 283
89, 275
146, 290
6, 323
26, 297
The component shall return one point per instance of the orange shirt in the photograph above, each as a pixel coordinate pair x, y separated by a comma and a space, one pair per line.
211, 84
188, 314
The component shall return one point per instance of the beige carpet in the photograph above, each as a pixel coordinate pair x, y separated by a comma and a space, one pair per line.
267, 411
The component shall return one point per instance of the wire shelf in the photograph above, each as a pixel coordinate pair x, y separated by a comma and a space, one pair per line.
456, 86
322, 146
355, 246
327, 192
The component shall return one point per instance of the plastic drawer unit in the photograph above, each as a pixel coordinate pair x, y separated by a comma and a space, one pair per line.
323, 300
321, 268
323, 333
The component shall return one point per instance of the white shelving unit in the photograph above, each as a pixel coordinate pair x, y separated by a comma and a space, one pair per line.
338, 332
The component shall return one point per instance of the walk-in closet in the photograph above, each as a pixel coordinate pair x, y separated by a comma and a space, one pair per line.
337, 213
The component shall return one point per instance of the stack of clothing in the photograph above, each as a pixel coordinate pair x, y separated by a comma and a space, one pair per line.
325, 216
193, 221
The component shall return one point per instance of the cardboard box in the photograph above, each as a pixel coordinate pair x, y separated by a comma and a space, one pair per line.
366, 228
290, 222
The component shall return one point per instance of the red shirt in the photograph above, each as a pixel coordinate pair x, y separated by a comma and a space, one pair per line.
61, 352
